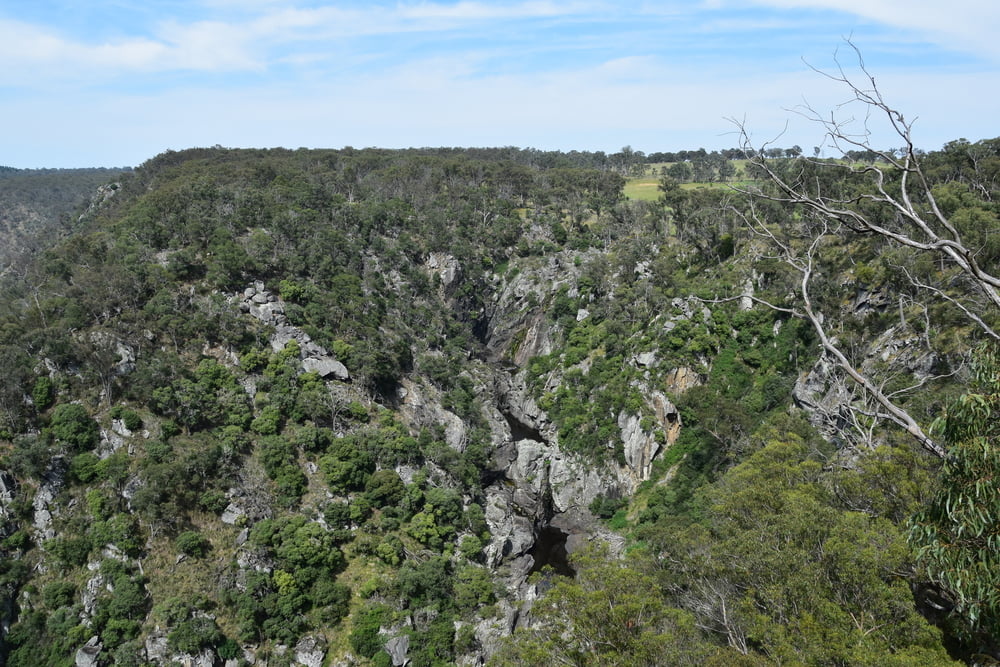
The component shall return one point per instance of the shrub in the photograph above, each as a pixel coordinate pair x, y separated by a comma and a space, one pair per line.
73, 426
83, 467
43, 393
194, 634
193, 543
384, 488
131, 419
365, 638
58, 594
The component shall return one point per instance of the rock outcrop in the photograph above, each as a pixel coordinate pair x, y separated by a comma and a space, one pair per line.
89, 654
270, 309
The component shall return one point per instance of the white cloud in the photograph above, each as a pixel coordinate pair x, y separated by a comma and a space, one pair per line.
961, 25
248, 43
479, 11
25, 45
600, 87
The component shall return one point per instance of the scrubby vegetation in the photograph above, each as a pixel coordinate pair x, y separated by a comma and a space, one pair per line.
176, 478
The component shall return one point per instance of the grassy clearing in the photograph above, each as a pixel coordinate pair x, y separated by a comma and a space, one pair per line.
645, 188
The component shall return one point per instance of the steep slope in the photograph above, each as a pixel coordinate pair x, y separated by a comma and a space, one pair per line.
38, 204
344, 407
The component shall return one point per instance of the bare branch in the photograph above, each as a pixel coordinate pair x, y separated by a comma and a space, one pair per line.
897, 184
987, 329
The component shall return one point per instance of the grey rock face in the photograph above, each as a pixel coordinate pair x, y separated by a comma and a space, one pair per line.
326, 368
94, 586
421, 405
310, 652
826, 395
646, 359
444, 266
88, 655
510, 312
8, 491
232, 514
397, 648
270, 309
157, 650
52, 481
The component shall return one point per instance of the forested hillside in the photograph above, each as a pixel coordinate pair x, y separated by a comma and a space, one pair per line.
37, 204
427, 407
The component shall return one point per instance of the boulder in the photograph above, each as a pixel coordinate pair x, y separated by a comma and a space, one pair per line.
310, 652
646, 359
88, 655
326, 367
397, 648
8, 488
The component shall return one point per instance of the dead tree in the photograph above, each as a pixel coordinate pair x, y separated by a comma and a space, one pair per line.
895, 206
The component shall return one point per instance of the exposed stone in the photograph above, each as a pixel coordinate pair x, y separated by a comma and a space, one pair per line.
111, 442
283, 335
270, 309
52, 481
326, 368
444, 266
397, 648
640, 446
88, 655
511, 534
646, 359
421, 405
95, 585
582, 314
8, 489
679, 380
310, 652
125, 354
746, 301
824, 396
536, 341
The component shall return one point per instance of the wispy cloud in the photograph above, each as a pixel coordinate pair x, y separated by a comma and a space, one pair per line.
123, 81
962, 25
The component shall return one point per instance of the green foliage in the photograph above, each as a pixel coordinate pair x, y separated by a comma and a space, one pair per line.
280, 460
609, 614
604, 507
194, 634
390, 550
769, 546
427, 583
43, 393
122, 530
120, 612
58, 594
131, 419
83, 467
777, 567
346, 465
70, 551
193, 543
72, 426
473, 588
365, 639
956, 536
211, 397
298, 543
332, 599
384, 488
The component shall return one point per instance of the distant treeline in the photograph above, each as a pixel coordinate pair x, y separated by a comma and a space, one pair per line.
7, 172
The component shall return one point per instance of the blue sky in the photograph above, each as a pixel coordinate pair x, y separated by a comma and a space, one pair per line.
115, 82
